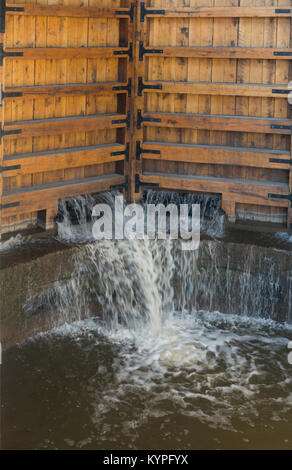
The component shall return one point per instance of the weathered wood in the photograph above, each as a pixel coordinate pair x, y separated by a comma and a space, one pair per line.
255, 192
76, 89
223, 52
61, 125
46, 53
66, 11
210, 79
24, 164
222, 89
45, 196
218, 122
218, 155
225, 12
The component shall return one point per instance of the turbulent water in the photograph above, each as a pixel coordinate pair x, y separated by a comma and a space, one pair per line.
152, 370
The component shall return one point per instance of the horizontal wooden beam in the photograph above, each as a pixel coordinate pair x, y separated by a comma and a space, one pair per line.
44, 53
218, 122
66, 11
222, 89
19, 165
247, 191
46, 196
217, 155
225, 12
63, 125
195, 12
76, 89
222, 52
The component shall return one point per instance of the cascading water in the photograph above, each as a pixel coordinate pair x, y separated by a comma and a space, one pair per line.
157, 365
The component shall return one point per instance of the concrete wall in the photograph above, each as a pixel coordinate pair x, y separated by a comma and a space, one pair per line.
229, 277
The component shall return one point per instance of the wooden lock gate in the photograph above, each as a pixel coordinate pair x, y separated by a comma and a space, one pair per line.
179, 95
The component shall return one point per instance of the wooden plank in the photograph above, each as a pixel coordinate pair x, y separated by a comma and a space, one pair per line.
255, 192
76, 89
225, 12
61, 125
224, 52
66, 11
222, 89
218, 122
44, 53
37, 162
41, 197
217, 155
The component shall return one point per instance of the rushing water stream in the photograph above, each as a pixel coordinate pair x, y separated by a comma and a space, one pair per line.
152, 371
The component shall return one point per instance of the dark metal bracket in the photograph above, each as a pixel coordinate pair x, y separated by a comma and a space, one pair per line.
125, 152
142, 86
127, 87
4, 54
9, 168
139, 184
3, 133
12, 94
3, 10
143, 51
11, 204
283, 10
139, 150
145, 11
276, 91
283, 53
278, 160
126, 121
284, 128
124, 185
281, 196
129, 52
141, 119
130, 13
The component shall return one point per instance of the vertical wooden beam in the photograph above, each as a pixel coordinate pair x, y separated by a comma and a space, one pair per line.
130, 33
2, 41
139, 101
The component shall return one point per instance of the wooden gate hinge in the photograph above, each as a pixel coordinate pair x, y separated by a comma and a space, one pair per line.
4, 54
281, 127
283, 10
281, 196
130, 13
145, 11
3, 10
7, 206
141, 119
283, 53
127, 87
3, 133
9, 168
277, 91
139, 150
139, 184
129, 52
126, 121
125, 152
143, 51
142, 86
278, 160
11, 94
124, 185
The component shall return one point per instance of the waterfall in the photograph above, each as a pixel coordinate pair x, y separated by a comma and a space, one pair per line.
212, 217
133, 282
